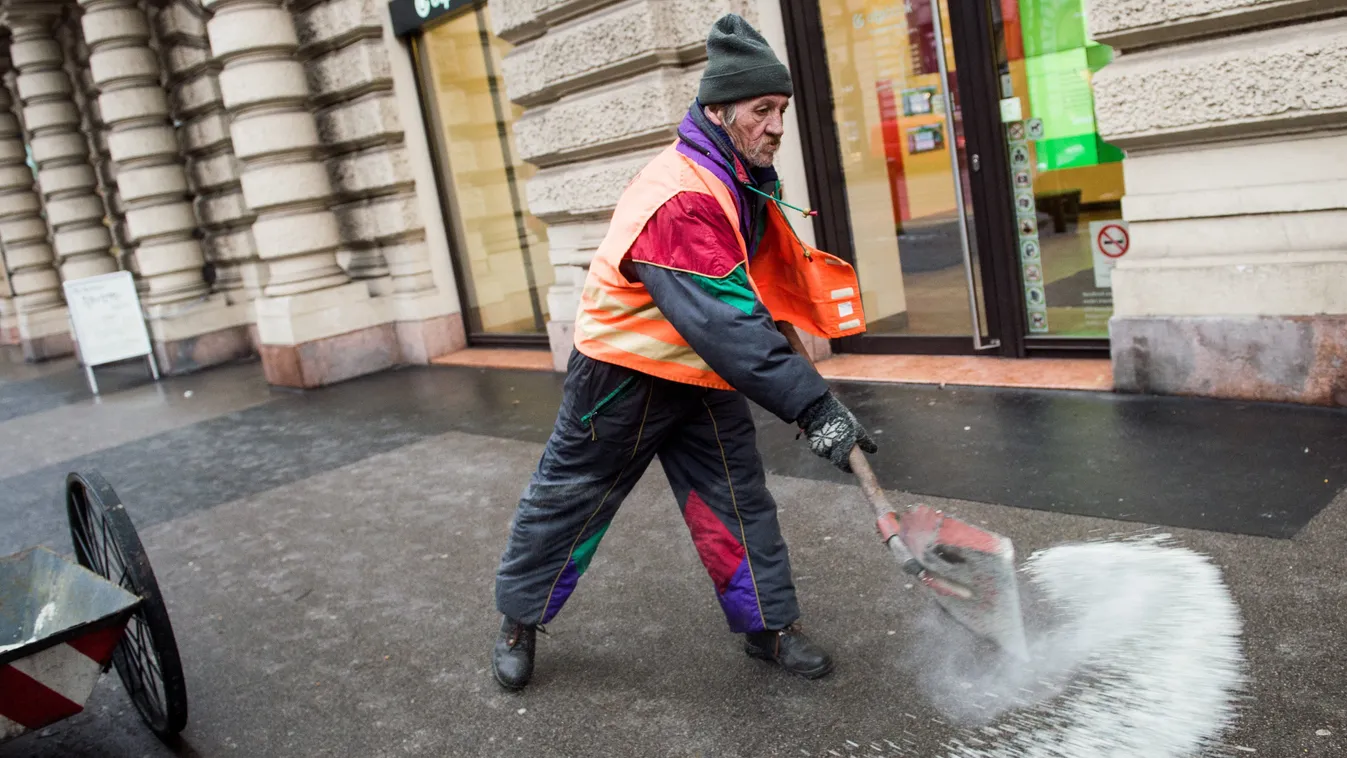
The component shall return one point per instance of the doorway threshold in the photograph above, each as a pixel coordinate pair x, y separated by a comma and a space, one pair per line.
497, 357
1088, 374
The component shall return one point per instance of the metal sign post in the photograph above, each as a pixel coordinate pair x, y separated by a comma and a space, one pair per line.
107, 321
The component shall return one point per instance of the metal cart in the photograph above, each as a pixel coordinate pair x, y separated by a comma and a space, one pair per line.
63, 625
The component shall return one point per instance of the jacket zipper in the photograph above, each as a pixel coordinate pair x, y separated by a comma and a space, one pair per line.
609, 399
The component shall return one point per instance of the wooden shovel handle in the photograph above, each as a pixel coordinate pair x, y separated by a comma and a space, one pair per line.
859, 465
886, 518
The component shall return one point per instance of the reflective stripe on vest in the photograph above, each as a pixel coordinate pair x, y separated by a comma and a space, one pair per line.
618, 321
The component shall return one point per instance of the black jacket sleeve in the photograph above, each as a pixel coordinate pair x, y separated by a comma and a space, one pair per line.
745, 349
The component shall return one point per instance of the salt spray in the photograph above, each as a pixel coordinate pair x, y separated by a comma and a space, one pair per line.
1141, 656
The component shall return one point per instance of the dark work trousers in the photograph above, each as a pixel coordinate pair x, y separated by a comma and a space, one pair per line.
613, 421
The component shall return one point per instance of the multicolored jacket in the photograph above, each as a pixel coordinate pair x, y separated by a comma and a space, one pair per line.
670, 291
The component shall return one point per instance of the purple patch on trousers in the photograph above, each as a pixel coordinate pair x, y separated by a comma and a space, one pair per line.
740, 602
564, 587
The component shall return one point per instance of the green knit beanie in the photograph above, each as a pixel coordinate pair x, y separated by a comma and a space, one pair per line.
740, 65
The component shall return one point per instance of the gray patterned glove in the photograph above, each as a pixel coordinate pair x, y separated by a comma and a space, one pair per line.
832, 431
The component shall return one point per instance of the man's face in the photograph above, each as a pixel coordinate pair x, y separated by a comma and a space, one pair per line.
757, 127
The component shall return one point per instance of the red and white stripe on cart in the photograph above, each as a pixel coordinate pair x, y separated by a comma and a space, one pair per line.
53, 684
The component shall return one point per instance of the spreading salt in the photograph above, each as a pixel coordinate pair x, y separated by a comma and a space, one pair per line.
1143, 660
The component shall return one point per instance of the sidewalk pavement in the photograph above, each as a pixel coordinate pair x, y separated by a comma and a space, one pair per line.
328, 557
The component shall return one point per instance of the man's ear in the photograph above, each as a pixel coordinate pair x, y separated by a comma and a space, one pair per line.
713, 116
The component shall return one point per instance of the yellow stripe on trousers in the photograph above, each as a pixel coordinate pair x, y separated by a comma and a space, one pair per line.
734, 503
640, 431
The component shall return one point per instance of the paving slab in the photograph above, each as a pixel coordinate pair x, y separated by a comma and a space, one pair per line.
90, 424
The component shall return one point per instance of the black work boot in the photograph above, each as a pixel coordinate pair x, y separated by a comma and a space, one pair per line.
512, 658
791, 649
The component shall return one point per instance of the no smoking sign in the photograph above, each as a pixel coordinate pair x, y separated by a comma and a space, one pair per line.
1111, 240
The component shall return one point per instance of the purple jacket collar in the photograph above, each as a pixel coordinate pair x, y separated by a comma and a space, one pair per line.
714, 152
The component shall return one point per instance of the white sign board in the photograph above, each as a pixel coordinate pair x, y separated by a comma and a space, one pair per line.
1110, 241
105, 311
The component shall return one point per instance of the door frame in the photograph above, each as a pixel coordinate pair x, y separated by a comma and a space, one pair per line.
408, 23
997, 250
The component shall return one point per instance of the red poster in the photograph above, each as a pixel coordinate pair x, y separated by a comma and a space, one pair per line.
1011, 28
893, 149
921, 37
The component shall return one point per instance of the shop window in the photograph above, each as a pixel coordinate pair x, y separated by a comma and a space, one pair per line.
908, 176
500, 249
888, 104
1072, 181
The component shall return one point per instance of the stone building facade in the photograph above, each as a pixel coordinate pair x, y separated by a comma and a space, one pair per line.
340, 186
246, 160
1233, 114
603, 86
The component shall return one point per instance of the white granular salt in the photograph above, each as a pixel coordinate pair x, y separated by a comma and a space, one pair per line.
1143, 659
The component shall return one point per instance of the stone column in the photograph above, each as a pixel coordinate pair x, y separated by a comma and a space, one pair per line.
1235, 127
71, 37
315, 325
362, 121
37, 318
75, 211
191, 327
212, 169
348, 76
9, 325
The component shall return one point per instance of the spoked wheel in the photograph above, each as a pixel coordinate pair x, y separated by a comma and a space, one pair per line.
147, 657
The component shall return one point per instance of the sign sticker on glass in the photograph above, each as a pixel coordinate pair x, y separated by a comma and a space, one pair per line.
1110, 241
924, 139
1038, 322
1024, 201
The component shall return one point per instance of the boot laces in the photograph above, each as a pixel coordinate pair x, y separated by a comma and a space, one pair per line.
517, 632
787, 631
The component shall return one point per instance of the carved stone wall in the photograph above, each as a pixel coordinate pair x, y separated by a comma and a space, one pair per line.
1233, 114
34, 313
604, 86
193, 81
53, 123
151, 179
348, 69
71, 36
315, 325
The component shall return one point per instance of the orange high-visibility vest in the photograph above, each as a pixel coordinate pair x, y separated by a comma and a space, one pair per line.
619, 323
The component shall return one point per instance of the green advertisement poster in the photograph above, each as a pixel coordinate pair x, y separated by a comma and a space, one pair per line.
1059, 61
1051, 26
